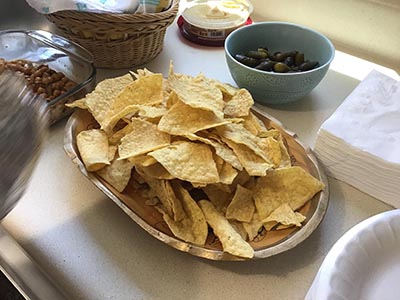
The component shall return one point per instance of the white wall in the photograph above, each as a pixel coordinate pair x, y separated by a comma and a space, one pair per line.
369, 29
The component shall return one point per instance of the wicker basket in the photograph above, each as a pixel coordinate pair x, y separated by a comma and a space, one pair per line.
117, 40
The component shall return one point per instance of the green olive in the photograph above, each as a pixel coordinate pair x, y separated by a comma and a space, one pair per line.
257, 54
263, 49
248, 61
309, 65
280, 67
266, 65
289, 61
276, 55
281, 56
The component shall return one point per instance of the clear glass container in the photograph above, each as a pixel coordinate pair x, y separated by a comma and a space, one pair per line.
60, 54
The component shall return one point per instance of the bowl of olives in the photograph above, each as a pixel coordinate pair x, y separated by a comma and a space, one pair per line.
278, 62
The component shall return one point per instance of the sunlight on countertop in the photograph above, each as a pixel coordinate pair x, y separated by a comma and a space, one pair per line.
358, 68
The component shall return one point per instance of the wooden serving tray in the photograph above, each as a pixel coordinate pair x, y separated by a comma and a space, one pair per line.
147, 217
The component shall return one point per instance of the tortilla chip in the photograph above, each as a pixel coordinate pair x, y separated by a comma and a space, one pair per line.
240, 135
81, 103
231, 241
253, 227
151, 112
284, 215
239, 105
141, 73
171, 99
143, 160
282, 218
94, 149
242, 205
112, 150
273, 149
251, 162
285, 156
144, 137
116, 137
238, 226
145, 90
182, 119
276, 134
218, 162
117, 174
292, 185
300, 217
276, 150
193, 228
188, 161
253, 124
227, 90
221, 150
243, 178
219, 198
271, 226
226, 173
125, 114
164, 192
198, 95
156, 171
100, 100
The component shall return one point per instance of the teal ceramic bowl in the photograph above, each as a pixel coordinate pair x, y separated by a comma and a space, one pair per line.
278, 88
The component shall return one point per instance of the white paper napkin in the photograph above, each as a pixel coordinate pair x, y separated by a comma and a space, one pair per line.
369, 118
360, 142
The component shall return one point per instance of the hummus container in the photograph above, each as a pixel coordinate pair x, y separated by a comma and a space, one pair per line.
210, 22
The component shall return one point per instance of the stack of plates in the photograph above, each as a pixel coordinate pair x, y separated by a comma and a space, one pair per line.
360, 142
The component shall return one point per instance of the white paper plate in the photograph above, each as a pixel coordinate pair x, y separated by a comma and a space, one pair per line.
364, 264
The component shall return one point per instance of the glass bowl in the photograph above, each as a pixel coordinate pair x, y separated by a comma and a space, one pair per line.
60, 54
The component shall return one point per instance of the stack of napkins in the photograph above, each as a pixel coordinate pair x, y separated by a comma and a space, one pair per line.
360, 143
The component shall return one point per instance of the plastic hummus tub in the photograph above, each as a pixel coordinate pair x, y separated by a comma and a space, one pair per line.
210, 22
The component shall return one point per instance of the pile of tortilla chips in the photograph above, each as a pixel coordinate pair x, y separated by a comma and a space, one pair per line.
205, 158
